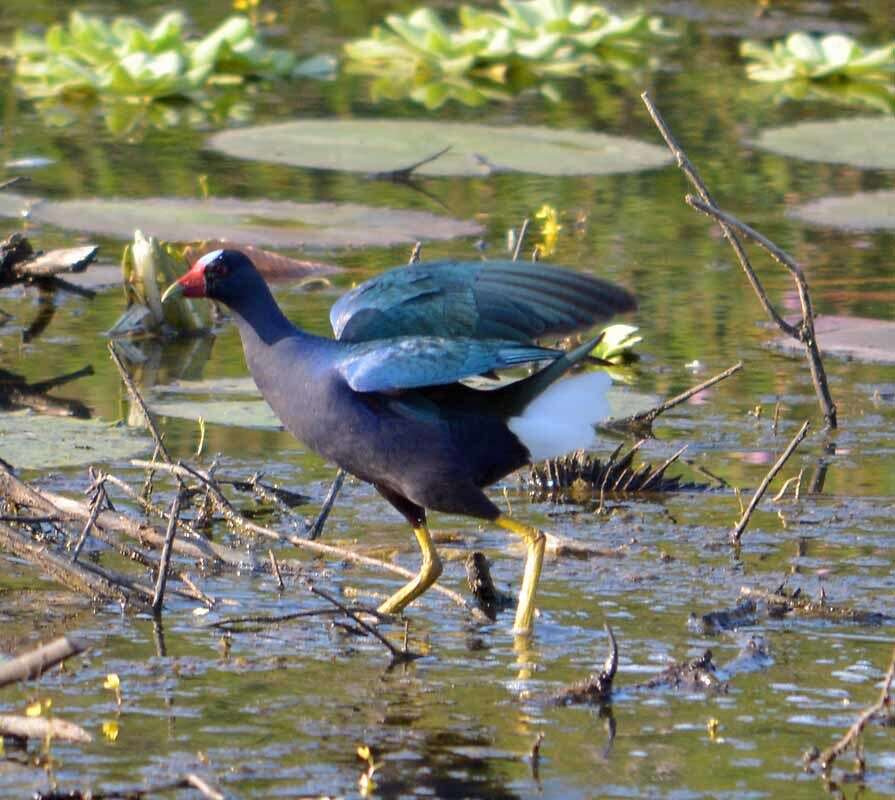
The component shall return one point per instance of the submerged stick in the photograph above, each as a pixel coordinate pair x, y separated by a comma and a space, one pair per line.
35, 662
738, 529
804, 331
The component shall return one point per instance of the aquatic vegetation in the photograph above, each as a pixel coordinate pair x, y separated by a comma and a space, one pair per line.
834, 68
497, 52
124, 58
389, 145
129, 67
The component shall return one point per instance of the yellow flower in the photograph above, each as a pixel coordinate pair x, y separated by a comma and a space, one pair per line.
38, 707
550, 229
110, 730
112, 682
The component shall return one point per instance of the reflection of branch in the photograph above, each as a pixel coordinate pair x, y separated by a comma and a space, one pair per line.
402, 174
852, 735
737, 532
804, 331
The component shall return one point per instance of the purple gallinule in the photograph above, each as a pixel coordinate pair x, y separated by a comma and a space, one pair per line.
386, 402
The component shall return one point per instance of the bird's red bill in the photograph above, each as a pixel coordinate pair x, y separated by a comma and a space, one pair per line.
193, 283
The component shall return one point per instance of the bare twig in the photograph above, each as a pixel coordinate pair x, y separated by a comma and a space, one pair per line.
853, 734
165, 560
319, 523
275, 569
415, 253
737, 532
34, 663
245, 526
646, 418
520, 239
138, 399
804, 331
96, 505
398, 656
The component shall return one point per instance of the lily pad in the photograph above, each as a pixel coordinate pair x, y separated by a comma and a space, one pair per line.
867, 142
860, 338
244, 222
385, 145
236, 413
864, 211
32, 441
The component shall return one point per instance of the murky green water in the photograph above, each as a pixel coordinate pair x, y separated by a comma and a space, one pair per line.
283, 713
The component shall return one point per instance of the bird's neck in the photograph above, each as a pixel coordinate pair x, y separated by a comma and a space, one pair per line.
260, 319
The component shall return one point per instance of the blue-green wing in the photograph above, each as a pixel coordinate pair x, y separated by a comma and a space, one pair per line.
509, 300
409, 362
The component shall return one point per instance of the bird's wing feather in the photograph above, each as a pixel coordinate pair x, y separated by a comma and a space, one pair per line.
408, 362
509, 300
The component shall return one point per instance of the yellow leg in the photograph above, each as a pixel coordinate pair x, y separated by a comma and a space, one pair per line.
428, 574
535, 542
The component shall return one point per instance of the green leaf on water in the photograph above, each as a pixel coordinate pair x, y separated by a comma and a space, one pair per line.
859, 141
381, 145
863, 211
257, 222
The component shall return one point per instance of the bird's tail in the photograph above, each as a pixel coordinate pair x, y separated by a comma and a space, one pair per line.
552, 417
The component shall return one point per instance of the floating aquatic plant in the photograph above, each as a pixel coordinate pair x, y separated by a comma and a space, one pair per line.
90, 57
491, 51
801, 55
834, 68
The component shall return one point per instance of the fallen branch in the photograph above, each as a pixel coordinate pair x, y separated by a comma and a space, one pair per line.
246, 526
67, 509
804, 331
34, 663
42, 728
189, 781
780, 603
738, 529
852, 737
71, 574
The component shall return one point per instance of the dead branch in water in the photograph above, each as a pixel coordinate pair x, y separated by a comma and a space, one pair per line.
20, 263
188, 781
780, 602
852, 737
42, 728
738, 529
597, 689
804, 331
34, 663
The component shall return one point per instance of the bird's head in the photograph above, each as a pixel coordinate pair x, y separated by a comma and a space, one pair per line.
224, 275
